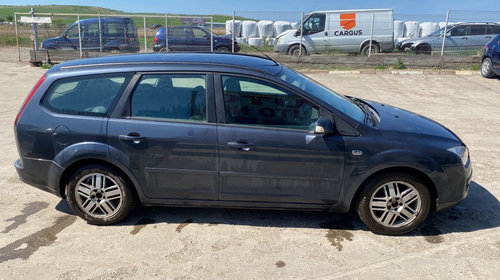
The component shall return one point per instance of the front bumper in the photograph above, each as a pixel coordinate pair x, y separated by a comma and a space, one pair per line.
280, 48
462, 191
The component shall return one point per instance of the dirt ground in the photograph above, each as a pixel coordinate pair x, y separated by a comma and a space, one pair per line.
41, 238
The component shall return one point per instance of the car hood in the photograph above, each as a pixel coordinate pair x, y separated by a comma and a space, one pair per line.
396, 121
286, 32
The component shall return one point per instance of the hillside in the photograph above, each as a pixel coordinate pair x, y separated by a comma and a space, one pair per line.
73, 9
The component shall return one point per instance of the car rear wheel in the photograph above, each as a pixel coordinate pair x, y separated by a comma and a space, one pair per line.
222, 49
394, 204
99, 195
366, 49
486, 70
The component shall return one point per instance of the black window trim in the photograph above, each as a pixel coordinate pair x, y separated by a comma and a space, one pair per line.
122, 109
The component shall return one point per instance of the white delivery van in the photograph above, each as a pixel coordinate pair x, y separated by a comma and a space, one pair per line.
343, 31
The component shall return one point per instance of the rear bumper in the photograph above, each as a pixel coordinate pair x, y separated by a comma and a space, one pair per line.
41, 174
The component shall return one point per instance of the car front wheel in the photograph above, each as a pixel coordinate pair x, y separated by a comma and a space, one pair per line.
394, 204
486, 70
99, 195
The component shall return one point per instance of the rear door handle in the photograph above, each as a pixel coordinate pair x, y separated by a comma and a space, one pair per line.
133, 137
241, 145
465, 38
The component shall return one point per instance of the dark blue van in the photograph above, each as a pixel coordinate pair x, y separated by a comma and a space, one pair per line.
192, 38
116, 34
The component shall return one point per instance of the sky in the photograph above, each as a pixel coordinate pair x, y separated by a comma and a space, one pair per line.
430, 9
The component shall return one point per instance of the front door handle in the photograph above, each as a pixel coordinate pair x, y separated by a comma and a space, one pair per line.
133, 137
241, 145
465, 38
326, 33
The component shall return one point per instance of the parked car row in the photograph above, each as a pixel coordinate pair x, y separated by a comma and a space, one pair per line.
344, 31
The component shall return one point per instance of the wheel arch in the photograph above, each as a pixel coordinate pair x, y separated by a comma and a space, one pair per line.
73, 167
408, 170
367, 42
297, 44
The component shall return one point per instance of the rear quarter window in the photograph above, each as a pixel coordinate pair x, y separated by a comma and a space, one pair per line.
85, 95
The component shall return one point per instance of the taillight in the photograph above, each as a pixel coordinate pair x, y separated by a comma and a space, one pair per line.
156, 40
28, 98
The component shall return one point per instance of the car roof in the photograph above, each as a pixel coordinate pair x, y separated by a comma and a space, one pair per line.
251, 62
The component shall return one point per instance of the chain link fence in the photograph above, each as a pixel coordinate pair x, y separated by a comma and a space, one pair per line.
337, 33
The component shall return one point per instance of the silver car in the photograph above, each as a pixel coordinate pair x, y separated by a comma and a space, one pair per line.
461, 37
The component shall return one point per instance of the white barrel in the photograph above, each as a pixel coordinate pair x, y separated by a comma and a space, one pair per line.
399, 29
236, 29
256, 41
249, 29
266, 29
281, 26
412, 29
271, 41
427, 28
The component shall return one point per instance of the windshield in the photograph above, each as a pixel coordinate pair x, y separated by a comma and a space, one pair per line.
312, 87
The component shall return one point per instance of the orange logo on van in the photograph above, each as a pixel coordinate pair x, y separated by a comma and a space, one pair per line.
348, 21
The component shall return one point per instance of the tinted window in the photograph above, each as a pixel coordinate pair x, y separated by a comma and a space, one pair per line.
130, 29
115, 29
459, 31
73, 31
93, 30
314, 24
87, 95
255, 102
493, 30
170, 96
176, 32
199, 34
477, 30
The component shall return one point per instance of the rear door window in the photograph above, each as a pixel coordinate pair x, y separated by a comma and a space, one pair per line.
493, 30
85, 95
477, 30
170, 97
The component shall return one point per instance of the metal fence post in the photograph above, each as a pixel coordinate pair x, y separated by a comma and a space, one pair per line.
371, 36
166, 33
232, 32
100, 34
35, 30
301, 31
145, 37
17, 38
211, 34
445, 31
79, 36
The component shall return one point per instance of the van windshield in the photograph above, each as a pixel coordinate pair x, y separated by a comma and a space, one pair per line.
314, 88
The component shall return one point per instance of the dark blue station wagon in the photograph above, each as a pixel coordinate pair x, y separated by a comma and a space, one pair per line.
226, 130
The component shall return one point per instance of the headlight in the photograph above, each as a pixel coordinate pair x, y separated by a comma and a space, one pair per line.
279, 40
462, 152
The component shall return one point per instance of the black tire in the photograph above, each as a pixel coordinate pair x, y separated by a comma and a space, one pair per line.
486, 70
424, 49
295, 50
394, 212
366, 48
100, 203
222, 49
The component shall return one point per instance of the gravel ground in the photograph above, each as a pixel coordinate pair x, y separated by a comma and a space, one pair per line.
41, 238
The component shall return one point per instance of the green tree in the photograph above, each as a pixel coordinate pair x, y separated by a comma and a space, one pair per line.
10, 18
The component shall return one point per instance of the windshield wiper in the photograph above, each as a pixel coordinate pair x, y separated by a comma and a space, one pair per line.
365, 108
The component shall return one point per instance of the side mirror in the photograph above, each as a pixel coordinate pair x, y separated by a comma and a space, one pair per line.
323, 126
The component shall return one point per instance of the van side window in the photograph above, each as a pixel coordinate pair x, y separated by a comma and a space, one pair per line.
477, 30
85, 95
495, 29
314, 23
73, 31
93, 30
459, 30
255, 102
170, 96
115, 29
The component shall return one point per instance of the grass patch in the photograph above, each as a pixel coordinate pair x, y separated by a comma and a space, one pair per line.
399, 65
381, 67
